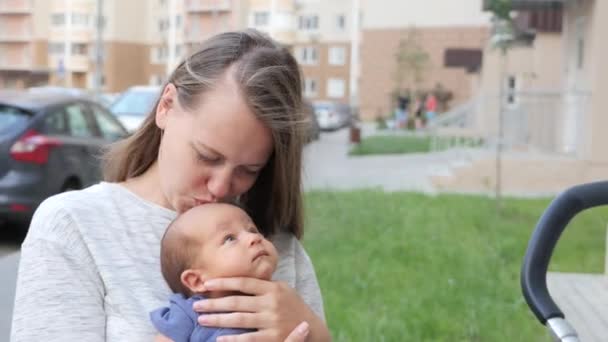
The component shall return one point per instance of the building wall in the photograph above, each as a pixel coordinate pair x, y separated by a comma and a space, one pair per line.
123, 66
391, 14
322, 72
378, 65
594, 73
326, 36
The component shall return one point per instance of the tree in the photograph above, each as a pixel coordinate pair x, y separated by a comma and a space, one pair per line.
412, 63
501, 8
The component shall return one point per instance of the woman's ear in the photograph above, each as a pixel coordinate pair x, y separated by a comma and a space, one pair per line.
193, 280
166, 102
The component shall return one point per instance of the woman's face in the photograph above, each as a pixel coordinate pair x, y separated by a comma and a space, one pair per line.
213, 152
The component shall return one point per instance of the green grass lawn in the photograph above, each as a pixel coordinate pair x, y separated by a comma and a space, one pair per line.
396, 144
410, 267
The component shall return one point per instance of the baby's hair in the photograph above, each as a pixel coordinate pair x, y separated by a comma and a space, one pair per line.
177, 253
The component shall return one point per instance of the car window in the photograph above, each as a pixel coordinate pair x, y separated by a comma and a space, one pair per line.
54, 123
110, 129
135, 102
77, 120
12, 119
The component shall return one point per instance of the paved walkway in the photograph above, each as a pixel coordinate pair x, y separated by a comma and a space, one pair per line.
583, 298
328, 166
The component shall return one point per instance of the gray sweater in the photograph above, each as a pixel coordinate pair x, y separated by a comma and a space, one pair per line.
90, 268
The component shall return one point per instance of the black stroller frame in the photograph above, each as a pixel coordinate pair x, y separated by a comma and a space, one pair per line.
540, 248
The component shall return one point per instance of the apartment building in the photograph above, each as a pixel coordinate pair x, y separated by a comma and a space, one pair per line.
322, 46
23, 43
205, 18
452, 33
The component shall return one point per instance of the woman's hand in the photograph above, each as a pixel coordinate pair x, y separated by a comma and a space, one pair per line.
274, 309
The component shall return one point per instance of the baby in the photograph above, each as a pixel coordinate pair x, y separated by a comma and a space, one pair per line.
214, 240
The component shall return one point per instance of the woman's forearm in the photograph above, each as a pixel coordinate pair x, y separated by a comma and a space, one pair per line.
318, 331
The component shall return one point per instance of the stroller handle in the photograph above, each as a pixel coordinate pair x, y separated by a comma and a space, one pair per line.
544, 238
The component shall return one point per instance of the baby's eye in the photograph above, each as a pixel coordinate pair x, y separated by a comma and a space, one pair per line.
254, 230
229, 238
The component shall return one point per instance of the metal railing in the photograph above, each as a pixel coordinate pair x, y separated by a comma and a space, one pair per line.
532, 121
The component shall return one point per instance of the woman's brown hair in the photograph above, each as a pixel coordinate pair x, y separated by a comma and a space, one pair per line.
270, 81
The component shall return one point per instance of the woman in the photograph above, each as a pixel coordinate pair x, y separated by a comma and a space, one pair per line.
227, 126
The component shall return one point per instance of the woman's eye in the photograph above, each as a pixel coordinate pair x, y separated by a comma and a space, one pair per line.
249, 172
204, 158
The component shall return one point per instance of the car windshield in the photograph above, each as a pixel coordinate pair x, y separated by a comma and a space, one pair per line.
12, 119
321, 106
135, 102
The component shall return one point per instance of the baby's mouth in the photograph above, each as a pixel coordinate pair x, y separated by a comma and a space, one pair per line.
260, 254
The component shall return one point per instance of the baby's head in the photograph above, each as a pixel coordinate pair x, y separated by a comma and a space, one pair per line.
212, 241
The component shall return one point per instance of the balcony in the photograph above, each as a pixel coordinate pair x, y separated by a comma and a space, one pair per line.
526, 5
11, 64
208, 6
21, 36
16, 7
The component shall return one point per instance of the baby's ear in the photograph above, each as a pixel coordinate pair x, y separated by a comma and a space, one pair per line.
194, 280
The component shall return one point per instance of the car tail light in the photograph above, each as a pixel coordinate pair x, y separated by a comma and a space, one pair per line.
33, 147
19, 208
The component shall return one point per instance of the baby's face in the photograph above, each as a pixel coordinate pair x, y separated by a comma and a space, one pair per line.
232, 246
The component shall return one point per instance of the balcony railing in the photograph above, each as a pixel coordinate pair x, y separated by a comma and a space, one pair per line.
16, 7
194, 6
19, 36
12, 64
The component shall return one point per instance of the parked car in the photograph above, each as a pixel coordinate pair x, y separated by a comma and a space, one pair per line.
332, 115
314, 129
132, 107
49, 143
107, 99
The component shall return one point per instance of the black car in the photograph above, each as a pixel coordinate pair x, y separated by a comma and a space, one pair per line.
314, 131
49, 143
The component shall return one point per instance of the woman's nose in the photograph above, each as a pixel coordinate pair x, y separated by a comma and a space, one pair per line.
219, 183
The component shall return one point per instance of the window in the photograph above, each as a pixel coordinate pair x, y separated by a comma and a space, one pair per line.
54, 124
580, 56
337, 55
178, 21
308, 22
511, 90
58, 19
308, 55
335, 88
178, 50
77, 121
80, 19
110, 129
79, 49
159, 54
310, 87
162, 25
470, 59
341, 22
56, 48
156, 80
261, 18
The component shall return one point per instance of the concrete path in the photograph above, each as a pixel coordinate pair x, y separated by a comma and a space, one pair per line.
583, 298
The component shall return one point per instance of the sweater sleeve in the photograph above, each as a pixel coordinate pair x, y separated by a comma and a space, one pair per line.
306, 280
59, 296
